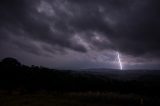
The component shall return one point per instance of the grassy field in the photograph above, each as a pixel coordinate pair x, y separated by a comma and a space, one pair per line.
75, 99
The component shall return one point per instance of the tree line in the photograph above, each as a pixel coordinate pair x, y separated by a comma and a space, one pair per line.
16, 76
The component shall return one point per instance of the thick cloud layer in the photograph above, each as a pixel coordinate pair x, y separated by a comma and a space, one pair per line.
56, 28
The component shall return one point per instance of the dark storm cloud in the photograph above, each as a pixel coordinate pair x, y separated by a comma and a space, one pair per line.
19, 18
51, 26
139, 31
104, 2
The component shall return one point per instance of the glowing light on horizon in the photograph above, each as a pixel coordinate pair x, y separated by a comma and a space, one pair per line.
119, 60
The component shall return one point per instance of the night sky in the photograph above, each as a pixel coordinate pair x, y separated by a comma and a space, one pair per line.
81, 33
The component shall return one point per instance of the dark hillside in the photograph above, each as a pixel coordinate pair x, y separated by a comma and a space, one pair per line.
15, 76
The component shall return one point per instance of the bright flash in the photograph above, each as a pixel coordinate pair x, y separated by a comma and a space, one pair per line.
119, 60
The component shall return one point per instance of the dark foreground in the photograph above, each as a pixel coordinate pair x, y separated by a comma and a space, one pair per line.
22, 85
75, 99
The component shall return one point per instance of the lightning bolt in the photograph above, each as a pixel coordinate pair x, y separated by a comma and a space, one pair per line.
119, 60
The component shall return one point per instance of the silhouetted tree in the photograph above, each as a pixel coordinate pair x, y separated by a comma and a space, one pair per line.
10, 62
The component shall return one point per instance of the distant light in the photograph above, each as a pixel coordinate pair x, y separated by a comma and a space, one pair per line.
119, 60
